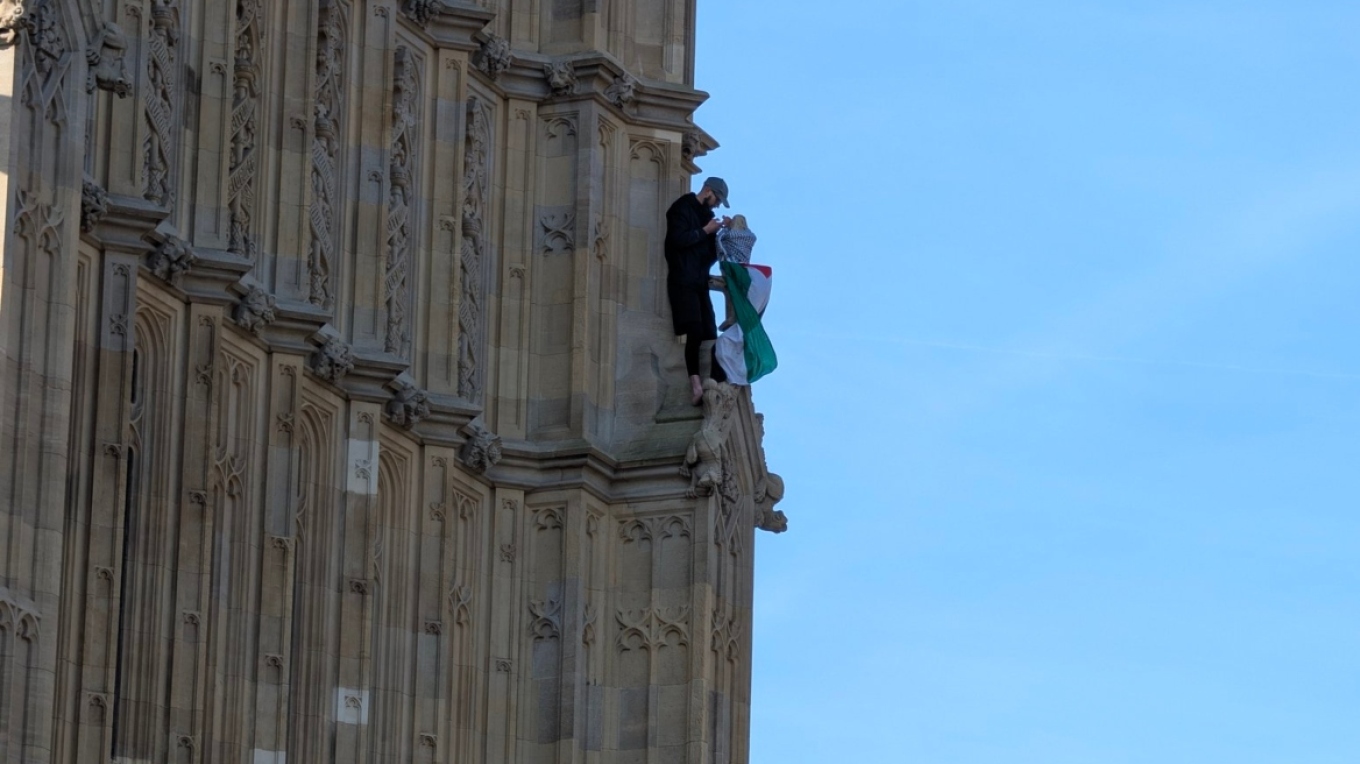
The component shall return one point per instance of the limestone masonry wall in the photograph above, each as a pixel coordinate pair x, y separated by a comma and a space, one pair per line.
342, 421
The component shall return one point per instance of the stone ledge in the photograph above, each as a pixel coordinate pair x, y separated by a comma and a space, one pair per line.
654, 103
455, 25
127, 223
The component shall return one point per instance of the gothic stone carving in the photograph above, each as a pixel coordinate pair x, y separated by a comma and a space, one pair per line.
703, 458
639, 529
255, 311
651, 629
600, 237
689, 146
588, 625
18, 616
561, 78
245, 96
94, 204
161, 67
421, 11
548, 518
399, 202
622, 92
772, 520
408, 406
494, 56
482, 449
12, 20
45, 58
328, 112
472, 257
769, 491
726, 634
171, 259
460, 603
557, 232
547, 619
107, 69
333, 360
38, 224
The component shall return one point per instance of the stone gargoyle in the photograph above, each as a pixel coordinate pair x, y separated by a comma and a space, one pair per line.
769, 491
482, 449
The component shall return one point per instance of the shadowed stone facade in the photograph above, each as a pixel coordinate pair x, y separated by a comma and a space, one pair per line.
342, 420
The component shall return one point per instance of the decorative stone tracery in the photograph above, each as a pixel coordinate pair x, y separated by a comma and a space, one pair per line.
472, 256
400, 203
244, 128
46, 56
162, 72
276, 503
328, 127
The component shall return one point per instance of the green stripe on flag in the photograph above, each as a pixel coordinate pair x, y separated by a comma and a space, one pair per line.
760, 357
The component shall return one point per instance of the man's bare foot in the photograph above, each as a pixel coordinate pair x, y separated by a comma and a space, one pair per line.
696, 389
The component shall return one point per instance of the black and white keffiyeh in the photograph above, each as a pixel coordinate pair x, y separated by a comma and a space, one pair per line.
735, 244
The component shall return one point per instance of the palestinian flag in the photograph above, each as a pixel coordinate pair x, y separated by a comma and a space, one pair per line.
744, 350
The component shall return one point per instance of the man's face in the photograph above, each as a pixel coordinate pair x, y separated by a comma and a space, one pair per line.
708, 198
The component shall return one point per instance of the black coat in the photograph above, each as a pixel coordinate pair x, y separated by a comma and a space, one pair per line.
690, 254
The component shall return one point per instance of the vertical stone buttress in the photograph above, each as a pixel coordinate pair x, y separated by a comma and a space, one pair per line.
42, 79
343, 418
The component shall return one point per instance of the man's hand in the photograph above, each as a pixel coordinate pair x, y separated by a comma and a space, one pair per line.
727, 222
712, 226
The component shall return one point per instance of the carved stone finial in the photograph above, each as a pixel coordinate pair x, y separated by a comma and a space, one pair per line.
561, 77
171, 259
703, 458
622, 92
482, 449
255, 311
333, 360
409, 404
494, 56
94, 204
107, 69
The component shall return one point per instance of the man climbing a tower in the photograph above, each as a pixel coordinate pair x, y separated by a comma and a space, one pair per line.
691, 250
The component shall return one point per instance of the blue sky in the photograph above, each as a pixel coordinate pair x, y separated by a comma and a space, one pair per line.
1069, 396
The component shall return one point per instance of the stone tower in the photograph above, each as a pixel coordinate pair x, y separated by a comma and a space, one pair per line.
342, 421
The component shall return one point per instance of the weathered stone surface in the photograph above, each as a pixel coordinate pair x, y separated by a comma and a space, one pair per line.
347, 415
